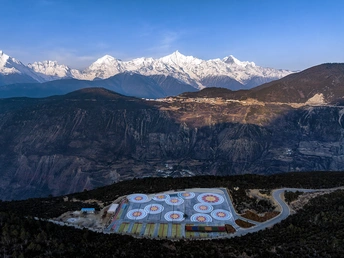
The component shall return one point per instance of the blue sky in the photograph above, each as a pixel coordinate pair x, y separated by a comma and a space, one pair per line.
281, 34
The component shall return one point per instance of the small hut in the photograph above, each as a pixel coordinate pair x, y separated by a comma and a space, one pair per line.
113, 208
88, 210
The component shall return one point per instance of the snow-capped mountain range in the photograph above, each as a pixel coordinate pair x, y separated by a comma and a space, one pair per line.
51, 70
188, 69
9, 66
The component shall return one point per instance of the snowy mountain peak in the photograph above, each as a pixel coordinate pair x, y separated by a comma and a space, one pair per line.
46, 63
177, 54
142, 60
6, 58
103, 68
175, 57
51, 70
179, 59
105, 59
3, 59
3, 55
11, 66
232, 60
188, 69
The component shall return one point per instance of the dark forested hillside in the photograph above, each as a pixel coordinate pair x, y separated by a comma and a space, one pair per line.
315, 231
54, 206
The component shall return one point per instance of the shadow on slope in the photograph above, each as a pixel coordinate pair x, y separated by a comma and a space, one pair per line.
94, 137
129, 84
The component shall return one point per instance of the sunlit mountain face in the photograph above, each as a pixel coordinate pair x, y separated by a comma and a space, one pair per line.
228, 72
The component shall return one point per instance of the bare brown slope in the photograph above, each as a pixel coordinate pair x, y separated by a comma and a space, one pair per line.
215, 92
326, 79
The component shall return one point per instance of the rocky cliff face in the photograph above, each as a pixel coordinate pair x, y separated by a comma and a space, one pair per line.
95, 137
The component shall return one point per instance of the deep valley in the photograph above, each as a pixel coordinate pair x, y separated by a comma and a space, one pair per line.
94, 137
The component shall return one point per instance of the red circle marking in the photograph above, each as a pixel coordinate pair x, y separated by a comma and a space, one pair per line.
174, 216
137, 213
210, 198
221, 214
201, 218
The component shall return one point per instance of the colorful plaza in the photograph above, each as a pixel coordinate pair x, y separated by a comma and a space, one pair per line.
175, 214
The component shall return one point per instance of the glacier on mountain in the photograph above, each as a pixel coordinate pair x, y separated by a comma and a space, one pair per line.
187, 69
51, 70
10, 66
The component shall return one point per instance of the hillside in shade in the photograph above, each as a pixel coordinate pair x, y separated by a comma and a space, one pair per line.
93, 137
130, 84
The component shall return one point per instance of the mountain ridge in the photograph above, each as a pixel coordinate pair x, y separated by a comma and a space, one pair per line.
51, 70
188, 69
318, 85
325, 80
129, 84
16, 71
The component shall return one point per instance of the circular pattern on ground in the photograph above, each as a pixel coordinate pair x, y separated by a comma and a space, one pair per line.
212, 198
138, 198
174, 216
161, 197
174, 201
136, 214
220, 214
186, 195
154, 208
203, 207
201, 217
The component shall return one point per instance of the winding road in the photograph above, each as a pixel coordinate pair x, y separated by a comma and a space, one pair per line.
276, 196
285, 211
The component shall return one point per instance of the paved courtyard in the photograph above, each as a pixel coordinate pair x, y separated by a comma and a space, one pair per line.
165, 215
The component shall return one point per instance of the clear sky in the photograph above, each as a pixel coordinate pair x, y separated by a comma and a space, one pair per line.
289, 34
